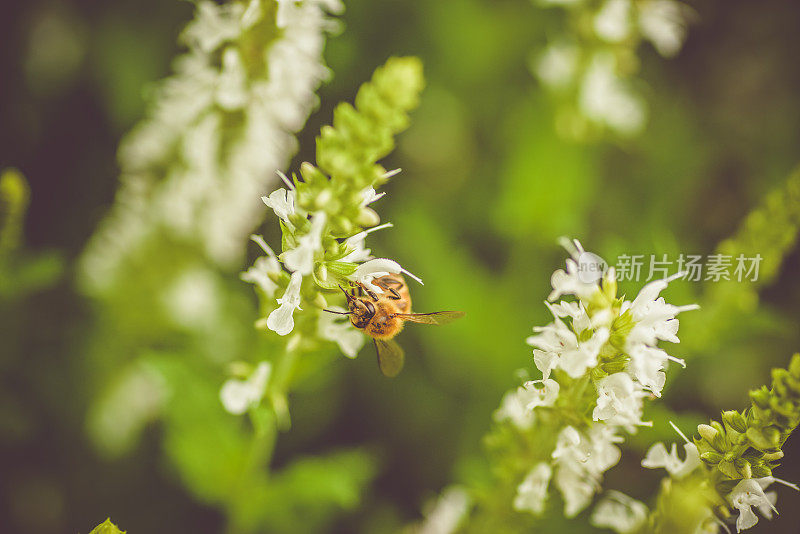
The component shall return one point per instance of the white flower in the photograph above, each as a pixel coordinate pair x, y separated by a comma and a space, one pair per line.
232, 84
607, 99
559, 347
619, 400
613, 22
193, 299
657, 456
369, 196
518, 405
571, 281
237, 396
576, 488
445, 515
532, 491
654, 318
647, 366
355, 243
281, 320
557, 65
259, 272
581, 459
376, 268
514, 408
619, 512
301, 258
282, 203
662, 22
340, 332
213, 25
748, 493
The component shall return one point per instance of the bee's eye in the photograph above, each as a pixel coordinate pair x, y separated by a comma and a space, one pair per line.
370, 308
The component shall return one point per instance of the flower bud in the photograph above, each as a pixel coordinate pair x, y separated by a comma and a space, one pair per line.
711, 457
794, 366
728, 469
368, 217
760, 397
760, 471
743, 466
707, 432
735, 420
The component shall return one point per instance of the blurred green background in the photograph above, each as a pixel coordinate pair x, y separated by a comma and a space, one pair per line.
488, 186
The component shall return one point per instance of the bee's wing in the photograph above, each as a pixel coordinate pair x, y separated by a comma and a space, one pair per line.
390, 356
442, 317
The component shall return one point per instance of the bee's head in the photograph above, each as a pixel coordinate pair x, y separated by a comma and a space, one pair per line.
361, 310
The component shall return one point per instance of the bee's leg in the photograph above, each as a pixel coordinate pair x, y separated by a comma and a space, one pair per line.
395, 294
363, 290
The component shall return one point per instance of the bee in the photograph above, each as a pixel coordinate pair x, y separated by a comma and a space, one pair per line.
382, 316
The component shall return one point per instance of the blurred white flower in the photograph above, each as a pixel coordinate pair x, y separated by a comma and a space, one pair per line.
580, 461
232, 91
557, 66
657, 456
619, 512
613, 22
333, 328
518, 405
191, 169
192, 300
663, 23
445, 514
281, 320
607, 99
238, 396
259, 272
532, 491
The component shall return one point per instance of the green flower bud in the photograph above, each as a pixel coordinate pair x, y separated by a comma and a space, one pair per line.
735, 420
743, 466
367, 217
794, 366
773, 456
728, 469
760, 471
708, 433
711, 457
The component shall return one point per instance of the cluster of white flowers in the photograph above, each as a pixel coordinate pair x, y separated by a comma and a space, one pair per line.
217, 131
307, 259
599, 352
619, 512
596, 65
748, 493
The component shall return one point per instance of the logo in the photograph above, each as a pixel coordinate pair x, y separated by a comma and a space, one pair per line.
591, 267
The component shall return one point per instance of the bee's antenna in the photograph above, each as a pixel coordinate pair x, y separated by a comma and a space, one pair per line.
346, 294
337, 312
